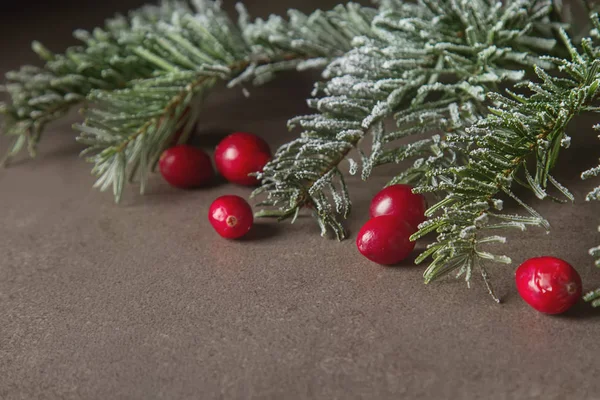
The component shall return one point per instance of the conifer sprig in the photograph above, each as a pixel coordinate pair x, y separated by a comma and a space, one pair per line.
141, 73
518, 142
429, 65
41, 95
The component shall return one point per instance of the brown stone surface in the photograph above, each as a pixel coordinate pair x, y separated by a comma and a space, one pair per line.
144, 301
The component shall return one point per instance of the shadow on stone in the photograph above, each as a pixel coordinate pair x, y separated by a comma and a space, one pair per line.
262, 231
581, 310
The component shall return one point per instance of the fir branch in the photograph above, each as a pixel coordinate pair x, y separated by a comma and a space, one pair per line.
174, 52
594, 195
427, 64
39, 96
520, 128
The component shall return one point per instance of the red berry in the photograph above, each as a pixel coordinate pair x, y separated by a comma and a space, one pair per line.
400, 201
548, 284
385, 240
185, 166
240, 154
231, 216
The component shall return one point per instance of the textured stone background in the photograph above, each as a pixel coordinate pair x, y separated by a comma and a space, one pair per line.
143, 300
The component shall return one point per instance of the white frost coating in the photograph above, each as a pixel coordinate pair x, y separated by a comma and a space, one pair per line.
353, 166
44, 99
480, 152
498, 204
313, 63
543, 143
454, 115
593, 195
379, 111
419, 162
400, 24
481, 220
590, 173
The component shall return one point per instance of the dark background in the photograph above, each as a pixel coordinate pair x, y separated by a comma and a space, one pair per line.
52, 22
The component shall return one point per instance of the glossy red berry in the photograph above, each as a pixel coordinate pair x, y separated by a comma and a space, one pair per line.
231, 216
548, 284
400, 201
241, 154
385, 240
185, 166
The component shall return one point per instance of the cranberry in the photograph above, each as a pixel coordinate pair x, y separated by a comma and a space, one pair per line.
548, 284
385, 239
240, 154
231, 216
185, 166
400, 201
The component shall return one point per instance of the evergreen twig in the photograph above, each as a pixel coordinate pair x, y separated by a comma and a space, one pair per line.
141, 73
518, 141
429, 65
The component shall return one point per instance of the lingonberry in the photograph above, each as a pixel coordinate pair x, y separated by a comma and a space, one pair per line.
548, 284
231, 216
185, 166
241, 154
400, 201
385, 239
